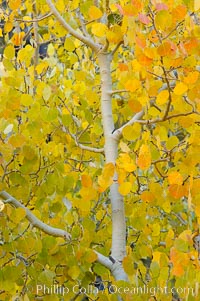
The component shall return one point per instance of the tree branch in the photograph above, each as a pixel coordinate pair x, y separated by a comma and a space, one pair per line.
118, 91
136, 118
86, 40
7, 198
117, 47
35, 20
104, 260
85, 147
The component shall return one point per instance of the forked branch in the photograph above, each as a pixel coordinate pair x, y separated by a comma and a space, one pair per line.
85, 39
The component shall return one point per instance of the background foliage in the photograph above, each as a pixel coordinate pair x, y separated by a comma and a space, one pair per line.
50, 113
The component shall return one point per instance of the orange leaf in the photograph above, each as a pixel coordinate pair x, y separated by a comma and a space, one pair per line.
175, 178
134, 105
166, 49
86, 181
123, 67
147, 196
17, 38
177, 191
179, 12
144, 158
191, 78
140, 41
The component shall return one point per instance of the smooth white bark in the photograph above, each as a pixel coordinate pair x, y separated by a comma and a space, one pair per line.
118, 251
35, 222
85, 39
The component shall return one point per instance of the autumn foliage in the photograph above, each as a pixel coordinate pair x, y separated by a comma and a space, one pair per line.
53, 141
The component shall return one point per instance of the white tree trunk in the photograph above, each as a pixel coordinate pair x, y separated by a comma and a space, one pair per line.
118, 251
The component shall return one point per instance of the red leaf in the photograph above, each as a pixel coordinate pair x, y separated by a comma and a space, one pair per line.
120, 9
161, 6
144, 19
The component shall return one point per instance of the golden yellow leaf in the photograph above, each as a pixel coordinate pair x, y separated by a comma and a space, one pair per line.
95, 13
125, 188
175, 177
8, 26
99, 29
180, 89
126, 162
162, 97
132, 84
108, 170
14, 4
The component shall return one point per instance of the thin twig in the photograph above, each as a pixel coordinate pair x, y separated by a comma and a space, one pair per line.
35, 20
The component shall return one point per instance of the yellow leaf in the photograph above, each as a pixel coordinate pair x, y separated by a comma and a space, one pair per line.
69, 44
9, 52
108, 170
14, 4
114, 35
50, 50
20, 214
2, 205
160, 19
175, 177
95, 13
156, 256
8, 26
126, 162
125, 188
74, 272
26, 99
172, 142
196, 5
169, 238
144, 158
162, 97
156, 229
132, 84
99, 29
105, 180
180, 89
132, 132
46, 93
